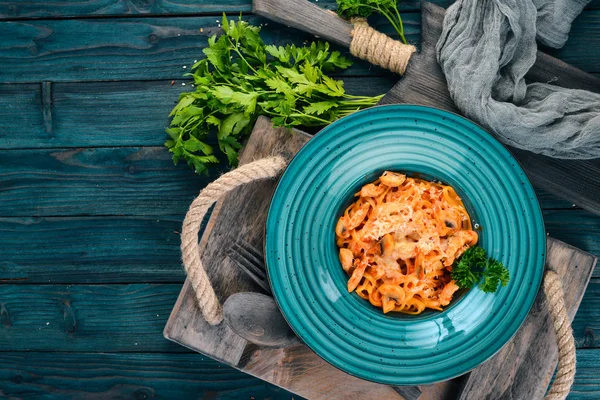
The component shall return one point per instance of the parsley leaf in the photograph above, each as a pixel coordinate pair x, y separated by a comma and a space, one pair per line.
364, 8
475, 265
494, 274
241, 78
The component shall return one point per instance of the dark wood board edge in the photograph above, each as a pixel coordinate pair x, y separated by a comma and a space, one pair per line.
306, 16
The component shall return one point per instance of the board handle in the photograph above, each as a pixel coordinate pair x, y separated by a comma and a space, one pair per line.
308, 17
363, 41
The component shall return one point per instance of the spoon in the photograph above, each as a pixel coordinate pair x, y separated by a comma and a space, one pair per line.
256, 318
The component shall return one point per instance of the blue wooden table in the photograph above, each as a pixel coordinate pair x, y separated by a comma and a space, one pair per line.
91, 204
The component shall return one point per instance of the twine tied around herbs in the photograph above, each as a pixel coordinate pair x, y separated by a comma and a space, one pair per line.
378, 48
270, 168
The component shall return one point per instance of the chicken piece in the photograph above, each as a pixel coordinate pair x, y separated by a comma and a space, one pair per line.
447, 293
392, 179
387, 244
404, 249
357, 275
358, 217
371, 190
458, 243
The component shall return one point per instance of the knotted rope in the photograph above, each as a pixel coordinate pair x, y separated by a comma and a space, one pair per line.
565, 375
379, 49
205, 294
271, 167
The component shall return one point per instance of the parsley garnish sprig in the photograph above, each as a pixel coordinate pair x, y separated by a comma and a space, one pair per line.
475, 265
364, 8
242, 78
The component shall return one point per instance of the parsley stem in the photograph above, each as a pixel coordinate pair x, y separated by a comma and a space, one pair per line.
401, 26
239, 53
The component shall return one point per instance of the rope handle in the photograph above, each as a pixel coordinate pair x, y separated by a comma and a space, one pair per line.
378, 48
265, 168
268, 168
565, 374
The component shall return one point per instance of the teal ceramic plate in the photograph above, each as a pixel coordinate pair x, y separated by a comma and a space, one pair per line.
309, 284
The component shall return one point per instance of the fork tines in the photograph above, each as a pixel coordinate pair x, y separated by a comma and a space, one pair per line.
251, 261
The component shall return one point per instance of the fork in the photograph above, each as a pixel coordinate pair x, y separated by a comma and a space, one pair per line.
251, 261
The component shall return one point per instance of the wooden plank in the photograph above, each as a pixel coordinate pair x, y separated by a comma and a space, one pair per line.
90, 250
586, 325
86, 8
146, 249
172, 376
99, 318
99, 114
587, 379
527, 362
126, 376
551, 201
578, 228
424, 83
577, 181
121, 181
146, 48
584, 31
129, 48
20, 114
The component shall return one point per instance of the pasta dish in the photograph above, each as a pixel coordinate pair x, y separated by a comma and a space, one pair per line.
398, 242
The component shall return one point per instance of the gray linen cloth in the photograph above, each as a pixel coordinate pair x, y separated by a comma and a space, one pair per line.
485, 50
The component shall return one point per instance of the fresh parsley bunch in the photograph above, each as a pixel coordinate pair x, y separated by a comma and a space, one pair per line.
474, 265
242, 78
364, 8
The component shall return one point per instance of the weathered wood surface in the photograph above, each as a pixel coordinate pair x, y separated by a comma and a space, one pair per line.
113, 318
85, 8
424, 83
125, 249
77, 249
122, 181
90, 114
524, 367
125, 180
88, 318
126, 376
129, 48
157, 48
586, 325
88, 8
580, 229
232, 221
91, 249
168, 376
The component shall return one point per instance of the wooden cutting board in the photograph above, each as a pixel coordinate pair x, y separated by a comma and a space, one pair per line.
523, 366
